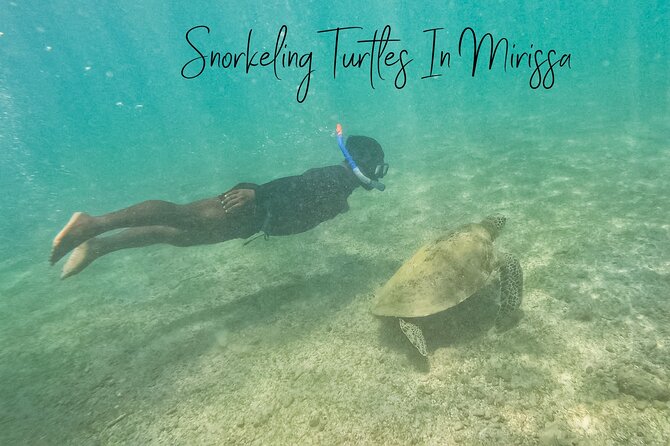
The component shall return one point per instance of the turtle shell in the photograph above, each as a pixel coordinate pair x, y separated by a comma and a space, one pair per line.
440, 275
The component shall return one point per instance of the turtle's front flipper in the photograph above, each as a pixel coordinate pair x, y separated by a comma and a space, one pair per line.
415, 336
511, 285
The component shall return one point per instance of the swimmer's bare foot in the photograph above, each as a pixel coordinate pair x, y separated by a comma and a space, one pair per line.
79, 229
82, 256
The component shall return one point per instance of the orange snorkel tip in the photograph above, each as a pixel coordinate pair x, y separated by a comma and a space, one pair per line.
338, 129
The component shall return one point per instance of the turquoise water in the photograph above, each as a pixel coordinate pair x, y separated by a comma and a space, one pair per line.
273, 343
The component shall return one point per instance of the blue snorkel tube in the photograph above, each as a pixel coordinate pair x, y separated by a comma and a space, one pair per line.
363, 179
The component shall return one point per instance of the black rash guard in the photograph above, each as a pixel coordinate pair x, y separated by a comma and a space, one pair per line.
295, 204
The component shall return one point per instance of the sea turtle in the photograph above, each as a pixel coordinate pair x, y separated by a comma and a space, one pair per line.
445, 272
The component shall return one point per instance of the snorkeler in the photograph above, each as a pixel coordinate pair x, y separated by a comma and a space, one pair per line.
284, 206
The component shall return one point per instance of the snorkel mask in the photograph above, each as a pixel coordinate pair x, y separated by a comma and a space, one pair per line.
380, 170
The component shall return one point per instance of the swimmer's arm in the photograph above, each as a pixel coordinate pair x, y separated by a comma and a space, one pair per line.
236, 199
242, 194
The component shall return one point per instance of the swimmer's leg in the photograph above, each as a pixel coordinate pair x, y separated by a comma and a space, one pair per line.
200, 215
84, 254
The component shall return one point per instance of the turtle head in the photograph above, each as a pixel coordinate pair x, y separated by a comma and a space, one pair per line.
494, 224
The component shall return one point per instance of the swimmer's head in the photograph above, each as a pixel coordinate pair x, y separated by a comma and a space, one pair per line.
369, 156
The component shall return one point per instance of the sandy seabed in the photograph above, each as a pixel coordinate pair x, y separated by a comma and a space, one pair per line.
274, 343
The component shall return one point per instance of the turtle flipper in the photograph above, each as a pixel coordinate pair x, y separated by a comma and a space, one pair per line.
415, 336
511, 285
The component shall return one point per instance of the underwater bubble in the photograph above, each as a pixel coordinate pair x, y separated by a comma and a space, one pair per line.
48, 48
109, 74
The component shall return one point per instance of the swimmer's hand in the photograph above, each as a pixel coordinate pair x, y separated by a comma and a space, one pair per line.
237, 199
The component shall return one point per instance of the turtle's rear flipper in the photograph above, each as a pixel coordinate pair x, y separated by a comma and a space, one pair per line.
511, 286
415, 336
